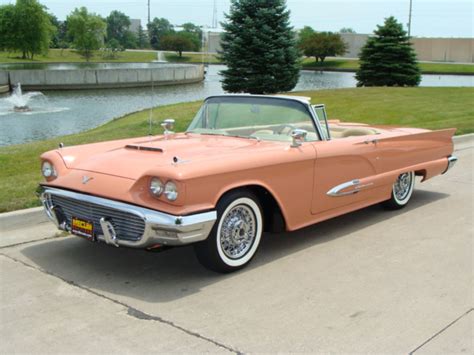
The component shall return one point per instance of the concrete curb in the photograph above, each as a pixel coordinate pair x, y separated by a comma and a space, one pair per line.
22, 218
465, 138
33, 216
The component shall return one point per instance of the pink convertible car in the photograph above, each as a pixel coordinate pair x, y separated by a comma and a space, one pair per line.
246, 165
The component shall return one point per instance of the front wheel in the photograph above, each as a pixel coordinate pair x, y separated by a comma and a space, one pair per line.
235, 237
401, 191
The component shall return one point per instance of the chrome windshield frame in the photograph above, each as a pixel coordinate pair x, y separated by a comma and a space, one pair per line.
307, 105
318, 122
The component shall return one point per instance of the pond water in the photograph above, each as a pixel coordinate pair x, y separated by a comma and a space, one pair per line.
64, 112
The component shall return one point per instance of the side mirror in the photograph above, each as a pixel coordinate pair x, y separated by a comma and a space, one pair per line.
298, 136
168, 126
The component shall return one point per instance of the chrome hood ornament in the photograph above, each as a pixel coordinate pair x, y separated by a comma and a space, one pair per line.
86, 179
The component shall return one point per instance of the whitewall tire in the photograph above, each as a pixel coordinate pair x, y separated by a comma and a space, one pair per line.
402, 191
236, 235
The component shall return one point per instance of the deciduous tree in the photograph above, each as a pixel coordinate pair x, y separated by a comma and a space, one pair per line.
7, 27
347, 30
322, 44
25, 27
179, 42
158, 28
87, 31
118, 28
304, 33
259, 48
388, 58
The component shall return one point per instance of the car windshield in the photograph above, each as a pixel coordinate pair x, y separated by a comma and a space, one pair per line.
264, 118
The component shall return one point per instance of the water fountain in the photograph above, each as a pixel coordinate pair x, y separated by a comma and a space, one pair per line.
160, 57
20, 100
29, 103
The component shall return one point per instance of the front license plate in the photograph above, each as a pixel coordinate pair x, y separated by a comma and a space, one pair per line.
82, 228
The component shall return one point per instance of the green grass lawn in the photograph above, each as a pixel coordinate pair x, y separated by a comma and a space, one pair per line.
330, 64
433, 108
192, 58
69, 55
353, 65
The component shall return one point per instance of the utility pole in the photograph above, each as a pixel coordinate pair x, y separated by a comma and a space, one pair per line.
214, 16
148, 11
409, 18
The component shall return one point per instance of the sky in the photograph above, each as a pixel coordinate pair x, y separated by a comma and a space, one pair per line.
430, 18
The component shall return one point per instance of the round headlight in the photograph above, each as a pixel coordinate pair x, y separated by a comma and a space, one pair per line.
47, 169
171, 191
156, 187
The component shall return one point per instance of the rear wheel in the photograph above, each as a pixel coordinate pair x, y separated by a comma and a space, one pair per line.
235, 237
401, 191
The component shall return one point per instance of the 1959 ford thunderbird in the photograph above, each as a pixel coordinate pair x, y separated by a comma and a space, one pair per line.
247, 164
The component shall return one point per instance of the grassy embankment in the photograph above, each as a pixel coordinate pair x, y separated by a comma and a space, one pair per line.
433, 108
332, 64
68, 55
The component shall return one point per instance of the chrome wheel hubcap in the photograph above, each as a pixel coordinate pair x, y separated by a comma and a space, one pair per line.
402, 186
238, 231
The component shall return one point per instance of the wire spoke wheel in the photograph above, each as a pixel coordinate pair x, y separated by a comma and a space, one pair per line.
401, 191
238, 231
402, 186
236, 235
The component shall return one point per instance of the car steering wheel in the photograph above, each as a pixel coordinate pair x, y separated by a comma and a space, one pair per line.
280, 128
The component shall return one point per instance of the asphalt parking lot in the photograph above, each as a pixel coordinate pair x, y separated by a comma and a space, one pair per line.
370, 281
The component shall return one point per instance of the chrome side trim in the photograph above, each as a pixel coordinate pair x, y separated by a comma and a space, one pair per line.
338, 190
160, 227
451, 162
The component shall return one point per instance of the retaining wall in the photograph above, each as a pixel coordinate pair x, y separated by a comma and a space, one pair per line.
457, 50
168, 74
3, 77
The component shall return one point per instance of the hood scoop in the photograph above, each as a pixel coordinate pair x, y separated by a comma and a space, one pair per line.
141, 147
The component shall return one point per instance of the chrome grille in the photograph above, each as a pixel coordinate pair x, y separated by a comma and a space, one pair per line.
128, 226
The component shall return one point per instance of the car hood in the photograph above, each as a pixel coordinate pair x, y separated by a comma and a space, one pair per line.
131, 158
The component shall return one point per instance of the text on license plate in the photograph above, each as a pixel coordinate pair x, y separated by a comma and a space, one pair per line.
82, 227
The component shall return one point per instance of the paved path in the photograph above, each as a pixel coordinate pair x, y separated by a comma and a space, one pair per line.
371, 281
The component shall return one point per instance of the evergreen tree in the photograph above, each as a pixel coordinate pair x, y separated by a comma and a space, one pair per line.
259, 48
388, 58
142, 38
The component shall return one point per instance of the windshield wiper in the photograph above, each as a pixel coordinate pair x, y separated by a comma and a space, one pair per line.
249, 137
208, 133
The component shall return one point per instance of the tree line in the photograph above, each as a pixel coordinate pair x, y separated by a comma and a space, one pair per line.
27, 27
263, 55
260, 48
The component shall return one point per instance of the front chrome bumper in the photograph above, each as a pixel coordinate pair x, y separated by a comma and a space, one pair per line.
160, 228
